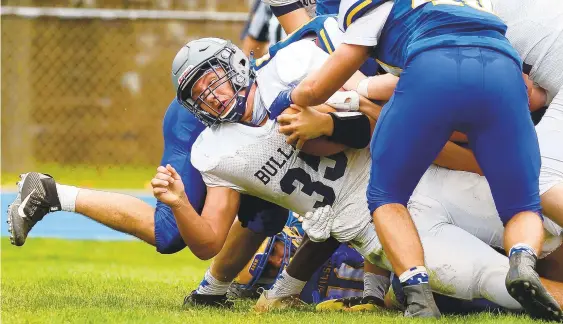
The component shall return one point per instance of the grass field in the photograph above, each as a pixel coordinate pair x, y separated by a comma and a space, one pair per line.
55, 281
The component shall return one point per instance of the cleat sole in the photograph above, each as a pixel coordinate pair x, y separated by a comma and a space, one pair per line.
538, 305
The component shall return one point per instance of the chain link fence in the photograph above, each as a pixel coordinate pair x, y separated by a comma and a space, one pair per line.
91, 92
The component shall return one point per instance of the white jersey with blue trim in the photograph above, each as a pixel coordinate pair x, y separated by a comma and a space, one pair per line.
259, 162
535, 29
366, 29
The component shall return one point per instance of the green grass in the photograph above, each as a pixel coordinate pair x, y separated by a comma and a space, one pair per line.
58, 281
114, 177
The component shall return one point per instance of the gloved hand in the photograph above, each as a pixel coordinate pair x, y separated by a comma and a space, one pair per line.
282, 101
318, 223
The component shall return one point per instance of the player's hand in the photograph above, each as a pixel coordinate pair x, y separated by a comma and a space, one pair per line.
167, 186
307, 124
318, 224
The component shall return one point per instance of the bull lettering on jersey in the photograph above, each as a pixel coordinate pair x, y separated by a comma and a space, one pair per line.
270, 169
286, 155
262, 176
273, 165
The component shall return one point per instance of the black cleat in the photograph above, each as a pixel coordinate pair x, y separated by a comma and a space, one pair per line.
524, 285
195, 299
37, 196
420, 301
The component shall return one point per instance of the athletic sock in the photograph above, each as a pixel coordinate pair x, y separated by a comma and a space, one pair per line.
521, 247
211, 286
67, 197
414, 276
285, 286
375, 285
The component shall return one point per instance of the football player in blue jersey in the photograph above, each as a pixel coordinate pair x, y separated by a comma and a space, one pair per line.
458, 73
39, 195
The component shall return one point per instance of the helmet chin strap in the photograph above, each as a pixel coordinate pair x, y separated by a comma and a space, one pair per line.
240, 102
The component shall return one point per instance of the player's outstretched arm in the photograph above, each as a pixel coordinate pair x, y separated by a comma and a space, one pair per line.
318, 86
204, 235
379, 87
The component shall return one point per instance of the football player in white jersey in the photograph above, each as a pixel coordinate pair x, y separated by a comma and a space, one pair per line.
535, 29
236, 157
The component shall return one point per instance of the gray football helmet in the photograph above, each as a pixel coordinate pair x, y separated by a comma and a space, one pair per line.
207, 55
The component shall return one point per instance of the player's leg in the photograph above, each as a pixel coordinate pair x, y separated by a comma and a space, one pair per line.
258, 219
462, 266
555, 289
550, 137
413, 127
285, 291
551, 267
39, 195
117, 211
502, 136
241, 244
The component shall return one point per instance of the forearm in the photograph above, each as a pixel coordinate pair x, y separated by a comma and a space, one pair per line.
456, 157
370, 109
354, 81
381, 87
339, 67
310, 93
195, 230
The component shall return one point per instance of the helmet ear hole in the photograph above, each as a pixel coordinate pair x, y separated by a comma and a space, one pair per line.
242, 62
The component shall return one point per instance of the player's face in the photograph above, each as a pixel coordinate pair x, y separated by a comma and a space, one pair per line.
216, 92
275, 260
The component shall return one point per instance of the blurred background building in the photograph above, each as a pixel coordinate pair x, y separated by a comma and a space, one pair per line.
85, 83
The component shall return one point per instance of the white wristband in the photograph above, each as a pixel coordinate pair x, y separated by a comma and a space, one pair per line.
344, 101
363, 87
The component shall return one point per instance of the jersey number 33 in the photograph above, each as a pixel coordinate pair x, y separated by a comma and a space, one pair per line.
309, 186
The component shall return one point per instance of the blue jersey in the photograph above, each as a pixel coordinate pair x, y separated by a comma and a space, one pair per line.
180, 128
330, 7
414, 26
341, 276
314, 28
327, 7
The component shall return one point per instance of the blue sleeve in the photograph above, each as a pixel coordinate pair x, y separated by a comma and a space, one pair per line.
180, 129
